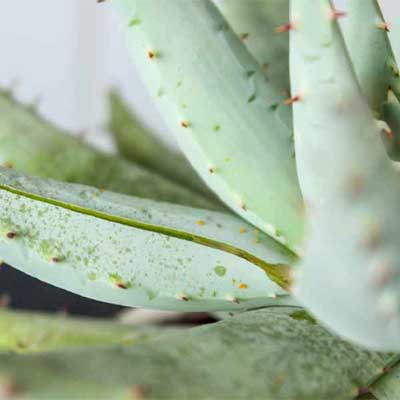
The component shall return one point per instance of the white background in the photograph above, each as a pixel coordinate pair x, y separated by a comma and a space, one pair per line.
65, 54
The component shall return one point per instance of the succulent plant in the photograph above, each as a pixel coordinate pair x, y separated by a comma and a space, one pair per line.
270, 354
293, 121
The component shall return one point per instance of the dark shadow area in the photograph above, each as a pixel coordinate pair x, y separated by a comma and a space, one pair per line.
21, 291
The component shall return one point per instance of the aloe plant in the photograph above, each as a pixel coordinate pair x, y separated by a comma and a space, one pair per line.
217, 361
30, 143
138, 144
293, 122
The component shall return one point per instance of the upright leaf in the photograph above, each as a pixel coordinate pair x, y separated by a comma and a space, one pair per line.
349, 277
256, 23
138, 144
391, 133
370, 51
225, 114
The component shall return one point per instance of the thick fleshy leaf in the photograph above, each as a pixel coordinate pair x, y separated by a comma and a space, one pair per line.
136, 252
391, 134
138, 144
273, 354
394, 35
370, 50
257, 24
228, 119
24, 332
31, 144
328, 94
388, 386
349, 277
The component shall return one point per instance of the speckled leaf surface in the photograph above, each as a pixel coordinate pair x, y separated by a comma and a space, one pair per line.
256, 23
273, 354
388, 387
136, 252
226, 116
349, 277
24, 332
31, 144
138, 144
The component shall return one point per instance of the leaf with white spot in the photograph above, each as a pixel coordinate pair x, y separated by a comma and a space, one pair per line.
137, 252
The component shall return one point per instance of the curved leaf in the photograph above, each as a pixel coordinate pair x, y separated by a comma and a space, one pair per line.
226, 116
281, 355
138, 144
388, 386
349, 277
324, 81
391, 135
31, 144
256, 23
370, 50
24, 332
136, 252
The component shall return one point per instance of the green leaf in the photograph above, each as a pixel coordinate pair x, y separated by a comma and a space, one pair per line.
388, 386
329, 98
265, 354
136, 252
349, 277
370, 50
255, 22
391, 135
227, 118
367, 396
138, 144
31, 144
24, 332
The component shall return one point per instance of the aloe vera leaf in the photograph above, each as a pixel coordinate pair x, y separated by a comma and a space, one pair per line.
31, 144
349, 275
283, 355
230, 127
138, 144
256, 22
25, 332
370, 50
137, 252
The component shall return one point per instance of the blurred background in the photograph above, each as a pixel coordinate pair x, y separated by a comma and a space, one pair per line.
65, 55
